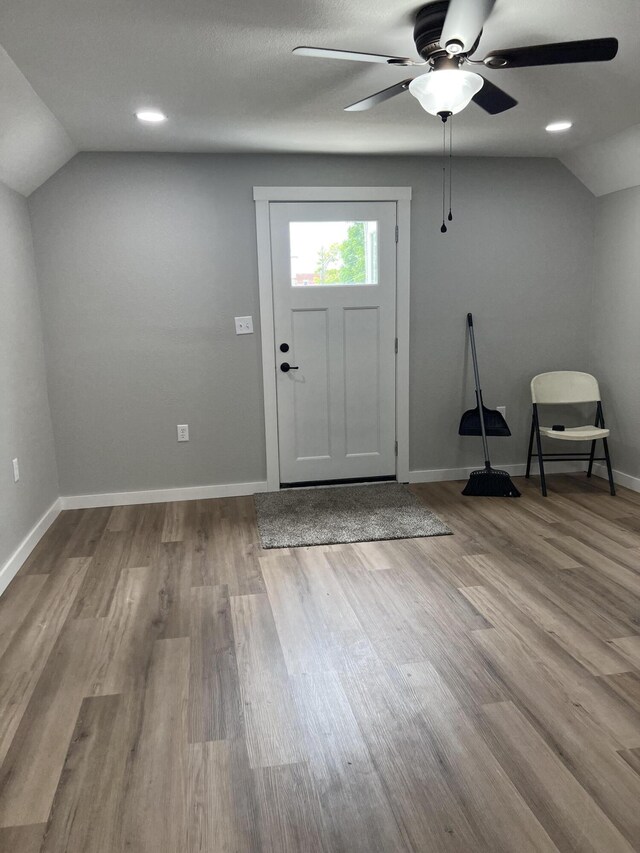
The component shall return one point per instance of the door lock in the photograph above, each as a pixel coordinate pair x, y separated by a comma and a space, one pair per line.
285, 367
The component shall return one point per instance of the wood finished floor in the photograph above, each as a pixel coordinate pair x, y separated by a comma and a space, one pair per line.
167, 686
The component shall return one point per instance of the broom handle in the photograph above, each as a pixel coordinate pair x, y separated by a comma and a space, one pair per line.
476, 374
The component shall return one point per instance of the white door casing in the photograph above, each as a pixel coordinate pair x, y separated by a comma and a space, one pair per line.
340, 414
336, 406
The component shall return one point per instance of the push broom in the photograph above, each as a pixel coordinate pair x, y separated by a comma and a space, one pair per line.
487, 482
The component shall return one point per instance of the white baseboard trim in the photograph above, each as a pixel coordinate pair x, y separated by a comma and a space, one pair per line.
10, 569
438, 475
619, 478
153, 496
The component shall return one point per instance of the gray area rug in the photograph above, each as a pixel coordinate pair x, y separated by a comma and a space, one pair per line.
325, 516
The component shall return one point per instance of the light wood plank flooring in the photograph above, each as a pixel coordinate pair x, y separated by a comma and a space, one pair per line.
167, 686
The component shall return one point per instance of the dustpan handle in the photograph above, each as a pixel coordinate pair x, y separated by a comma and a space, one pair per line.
476, 374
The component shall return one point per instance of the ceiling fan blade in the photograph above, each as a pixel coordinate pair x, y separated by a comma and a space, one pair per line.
464, 21
561, 53
354, 55
492, 99
379, 97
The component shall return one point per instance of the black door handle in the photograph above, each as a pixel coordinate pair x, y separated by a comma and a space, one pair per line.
285, 367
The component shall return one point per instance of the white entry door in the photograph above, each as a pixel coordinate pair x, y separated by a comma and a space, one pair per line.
334, 297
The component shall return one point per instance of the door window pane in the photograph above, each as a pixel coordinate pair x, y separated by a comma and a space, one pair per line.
330, 253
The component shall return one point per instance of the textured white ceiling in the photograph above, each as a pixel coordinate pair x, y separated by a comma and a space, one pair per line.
33, 143
224, 73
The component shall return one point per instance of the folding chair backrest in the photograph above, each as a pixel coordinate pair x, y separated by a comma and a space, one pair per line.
564, 386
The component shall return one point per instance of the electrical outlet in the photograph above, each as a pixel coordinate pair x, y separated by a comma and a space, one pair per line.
183, 432
503, 411
16, 470
244, 325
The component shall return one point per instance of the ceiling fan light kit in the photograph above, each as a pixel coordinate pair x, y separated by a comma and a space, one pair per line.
447, 92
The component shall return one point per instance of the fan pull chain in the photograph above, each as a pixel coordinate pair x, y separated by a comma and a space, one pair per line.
443, 227
450, 216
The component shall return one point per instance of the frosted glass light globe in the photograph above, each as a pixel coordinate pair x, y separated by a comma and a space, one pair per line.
447, 91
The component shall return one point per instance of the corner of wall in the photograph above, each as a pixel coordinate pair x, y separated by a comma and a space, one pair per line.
25, 419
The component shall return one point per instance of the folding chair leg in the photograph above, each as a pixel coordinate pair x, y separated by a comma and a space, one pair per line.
530, 449
543, 482
593, 453
612, 486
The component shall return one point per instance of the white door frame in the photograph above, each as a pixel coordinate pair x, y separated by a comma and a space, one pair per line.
262, 197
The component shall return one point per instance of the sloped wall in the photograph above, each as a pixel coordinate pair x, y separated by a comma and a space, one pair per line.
33, 143
25, 420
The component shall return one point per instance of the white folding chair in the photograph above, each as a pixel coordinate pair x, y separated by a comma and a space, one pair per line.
564, 387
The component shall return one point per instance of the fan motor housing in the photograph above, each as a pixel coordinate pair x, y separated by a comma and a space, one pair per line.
428, 29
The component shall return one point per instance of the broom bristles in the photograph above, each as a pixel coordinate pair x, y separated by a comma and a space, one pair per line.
490, 483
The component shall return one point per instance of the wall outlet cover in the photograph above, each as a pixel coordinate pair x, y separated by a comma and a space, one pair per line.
244, 325
183, 432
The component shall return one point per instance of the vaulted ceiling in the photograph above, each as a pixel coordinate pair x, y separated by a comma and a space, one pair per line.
224, 73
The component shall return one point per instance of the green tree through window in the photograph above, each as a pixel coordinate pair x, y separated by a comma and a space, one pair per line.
344, 262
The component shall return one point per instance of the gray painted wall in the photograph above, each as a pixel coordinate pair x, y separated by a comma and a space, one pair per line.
616, 313
143, 261
25, 420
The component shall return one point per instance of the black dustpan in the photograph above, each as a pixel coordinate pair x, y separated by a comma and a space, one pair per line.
494, 423
470, 422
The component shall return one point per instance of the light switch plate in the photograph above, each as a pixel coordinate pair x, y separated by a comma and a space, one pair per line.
244, 325
16, 470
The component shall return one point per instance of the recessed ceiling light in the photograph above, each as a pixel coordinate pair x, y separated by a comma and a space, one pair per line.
152, 116
558, 126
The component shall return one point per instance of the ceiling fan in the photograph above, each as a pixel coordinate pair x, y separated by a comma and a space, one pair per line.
446, 35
